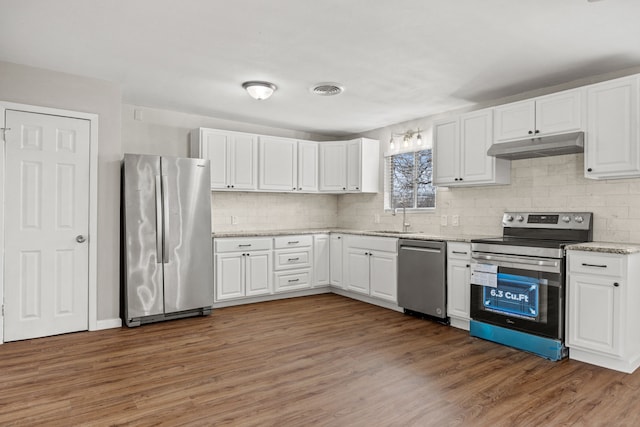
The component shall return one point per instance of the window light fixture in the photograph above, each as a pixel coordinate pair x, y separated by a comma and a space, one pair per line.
407, 138
259, 90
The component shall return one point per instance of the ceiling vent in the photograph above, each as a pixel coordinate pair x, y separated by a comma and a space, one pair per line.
327, 89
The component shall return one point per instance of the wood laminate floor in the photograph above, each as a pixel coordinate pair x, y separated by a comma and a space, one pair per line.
324, 360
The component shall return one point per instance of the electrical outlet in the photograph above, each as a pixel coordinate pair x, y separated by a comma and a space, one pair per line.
376, 219
443, 220
234, 219
455, 220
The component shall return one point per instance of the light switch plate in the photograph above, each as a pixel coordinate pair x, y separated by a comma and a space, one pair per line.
455, 220
443, 220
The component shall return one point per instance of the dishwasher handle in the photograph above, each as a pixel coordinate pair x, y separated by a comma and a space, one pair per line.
413, 248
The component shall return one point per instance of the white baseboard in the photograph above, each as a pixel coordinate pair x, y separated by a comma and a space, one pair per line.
108, 324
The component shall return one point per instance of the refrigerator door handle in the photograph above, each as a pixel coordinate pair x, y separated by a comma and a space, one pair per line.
165, 219
159, 236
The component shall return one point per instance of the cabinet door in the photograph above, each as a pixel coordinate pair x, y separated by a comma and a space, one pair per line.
278, 164
215, 147
321, 248
307, 166
243, 163
612, 141
594, 313
335, 263
560, 112
446, 153
513, 121
230, 276
459, 288
354, 166
258, 273
476, 135
333, 166
358, 270
383, 274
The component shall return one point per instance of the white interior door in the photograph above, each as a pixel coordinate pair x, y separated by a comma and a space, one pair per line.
46, 279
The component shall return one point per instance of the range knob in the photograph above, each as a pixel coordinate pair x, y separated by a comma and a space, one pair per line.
578, 219
519, 218
508, 218
566, 218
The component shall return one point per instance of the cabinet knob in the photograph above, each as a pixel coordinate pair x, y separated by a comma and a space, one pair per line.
537, 131
460, 179
468, 265
344, 188
530, 132
455, 179
589, 170
366, 253
300, 188
616, 284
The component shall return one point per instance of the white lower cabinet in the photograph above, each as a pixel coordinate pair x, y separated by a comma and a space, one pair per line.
243, 268
293, 256
321, 260
459, 284
603, 320
371, 266
336, 260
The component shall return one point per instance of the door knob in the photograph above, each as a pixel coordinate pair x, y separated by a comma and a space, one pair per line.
80, 238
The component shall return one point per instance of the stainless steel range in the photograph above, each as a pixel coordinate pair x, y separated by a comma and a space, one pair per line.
518, 280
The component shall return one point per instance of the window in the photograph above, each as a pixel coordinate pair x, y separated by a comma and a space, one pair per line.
408, 181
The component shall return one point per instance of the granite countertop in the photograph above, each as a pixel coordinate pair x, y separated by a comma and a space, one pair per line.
385, 233
606, 247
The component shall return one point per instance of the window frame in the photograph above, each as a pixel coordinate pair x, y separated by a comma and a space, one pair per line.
388, 182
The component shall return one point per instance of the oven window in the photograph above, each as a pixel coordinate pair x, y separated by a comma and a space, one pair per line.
514, 295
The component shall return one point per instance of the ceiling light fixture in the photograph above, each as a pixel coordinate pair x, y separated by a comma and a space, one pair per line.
259, 90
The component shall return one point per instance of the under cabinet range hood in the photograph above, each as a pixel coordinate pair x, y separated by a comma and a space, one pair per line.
545, 146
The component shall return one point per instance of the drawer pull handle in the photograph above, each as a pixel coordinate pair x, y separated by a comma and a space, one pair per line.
616, 284
294, 280
244, 246
293, 259
460, 253
594, 265
294, 242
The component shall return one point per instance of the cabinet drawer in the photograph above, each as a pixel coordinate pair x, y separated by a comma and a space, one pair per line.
286, 281
596, 263
457, 250
238, 245
292, 259
293, 241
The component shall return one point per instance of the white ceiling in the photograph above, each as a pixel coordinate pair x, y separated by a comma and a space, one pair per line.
398, 60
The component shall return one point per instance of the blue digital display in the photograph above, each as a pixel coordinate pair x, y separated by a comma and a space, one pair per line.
514, 295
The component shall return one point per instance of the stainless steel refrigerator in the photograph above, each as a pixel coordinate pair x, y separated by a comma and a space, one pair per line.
167, 255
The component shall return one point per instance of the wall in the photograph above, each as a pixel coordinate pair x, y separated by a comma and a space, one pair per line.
34, 86
167, 133
543, 184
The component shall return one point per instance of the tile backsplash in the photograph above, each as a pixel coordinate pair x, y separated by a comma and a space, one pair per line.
543, 184
272, 211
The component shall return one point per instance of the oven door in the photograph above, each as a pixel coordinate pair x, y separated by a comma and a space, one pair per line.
519, 292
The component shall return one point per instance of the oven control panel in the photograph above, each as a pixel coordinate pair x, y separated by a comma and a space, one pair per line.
559, 220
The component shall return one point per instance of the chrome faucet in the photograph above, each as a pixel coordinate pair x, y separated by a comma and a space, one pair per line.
405, 224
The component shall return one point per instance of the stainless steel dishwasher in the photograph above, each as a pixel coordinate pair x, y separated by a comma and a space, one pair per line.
422, 285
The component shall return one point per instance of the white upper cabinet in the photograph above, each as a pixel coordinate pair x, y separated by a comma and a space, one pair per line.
333, 166
350, 166
233, 157
460, 149
612, 141
278, 164
307, 166
288, 165
546, 115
